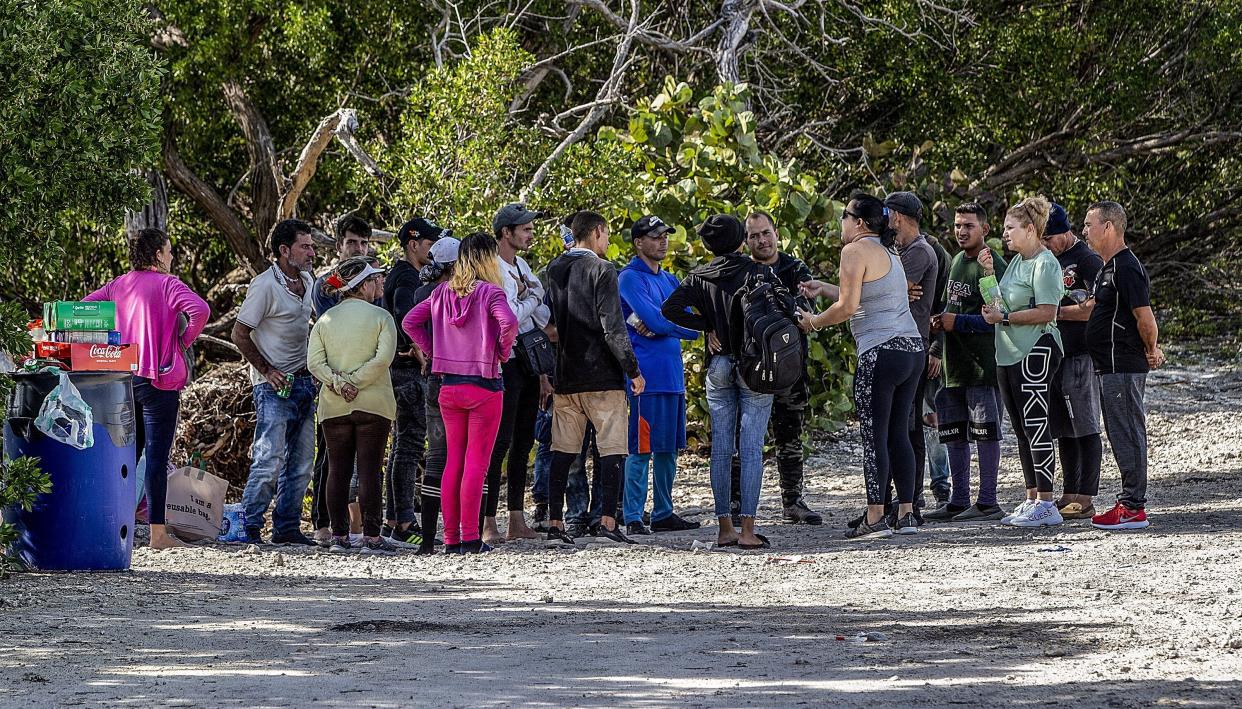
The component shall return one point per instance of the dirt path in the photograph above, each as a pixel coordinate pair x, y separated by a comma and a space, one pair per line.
958, 615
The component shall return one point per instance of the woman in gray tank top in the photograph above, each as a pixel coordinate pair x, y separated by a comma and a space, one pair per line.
873, 296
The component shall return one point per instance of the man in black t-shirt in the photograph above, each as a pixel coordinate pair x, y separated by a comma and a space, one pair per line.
1075, 404
1122, 338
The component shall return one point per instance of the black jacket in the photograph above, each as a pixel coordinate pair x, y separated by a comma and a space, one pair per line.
594, 351
399, 287
704, 300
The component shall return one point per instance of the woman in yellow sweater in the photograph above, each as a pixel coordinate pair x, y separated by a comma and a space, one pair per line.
351, 347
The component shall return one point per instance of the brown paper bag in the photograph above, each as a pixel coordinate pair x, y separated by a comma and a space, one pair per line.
195, 503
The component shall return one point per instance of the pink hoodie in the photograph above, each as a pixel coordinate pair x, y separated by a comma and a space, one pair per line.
147, 306
472, 335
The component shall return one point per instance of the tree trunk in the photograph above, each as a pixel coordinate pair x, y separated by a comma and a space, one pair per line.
154, 214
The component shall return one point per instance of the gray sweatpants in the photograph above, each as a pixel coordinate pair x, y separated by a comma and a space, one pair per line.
1125, 420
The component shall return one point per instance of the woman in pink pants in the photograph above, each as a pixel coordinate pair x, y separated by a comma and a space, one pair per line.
473, 330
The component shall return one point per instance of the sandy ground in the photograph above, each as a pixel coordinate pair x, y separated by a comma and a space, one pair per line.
957, 615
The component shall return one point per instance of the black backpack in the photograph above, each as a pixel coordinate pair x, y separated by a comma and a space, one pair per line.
770, 357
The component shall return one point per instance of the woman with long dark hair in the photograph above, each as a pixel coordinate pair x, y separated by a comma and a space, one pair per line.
873, 296
149, 300
473, 329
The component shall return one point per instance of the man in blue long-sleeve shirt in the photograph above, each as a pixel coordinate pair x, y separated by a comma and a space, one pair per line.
658, 415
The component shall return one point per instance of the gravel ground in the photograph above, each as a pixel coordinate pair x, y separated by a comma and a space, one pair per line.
957, 615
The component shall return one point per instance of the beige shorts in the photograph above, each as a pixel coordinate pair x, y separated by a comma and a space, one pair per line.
608, 411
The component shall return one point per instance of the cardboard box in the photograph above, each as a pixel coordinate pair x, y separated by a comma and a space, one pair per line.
82, 357
72, 315
90, 337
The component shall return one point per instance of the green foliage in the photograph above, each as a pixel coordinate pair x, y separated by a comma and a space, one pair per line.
701, 158
79, 105
458, 157
21, 483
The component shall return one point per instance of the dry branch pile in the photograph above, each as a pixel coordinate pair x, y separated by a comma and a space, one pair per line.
217, 420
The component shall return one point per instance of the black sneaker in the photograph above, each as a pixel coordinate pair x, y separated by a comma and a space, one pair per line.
379, 545
943, 513
477, 546
294, 538
411, 537
452, 548
594, 529
254, 535
637, 529
577, 529
615, 534
340, 545
880, 530
799, 513
673, 523
539, 518
558, 537
906, 525
646, 518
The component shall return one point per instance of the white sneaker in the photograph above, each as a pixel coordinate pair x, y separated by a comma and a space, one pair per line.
356, 540
1018, 511
1042, 514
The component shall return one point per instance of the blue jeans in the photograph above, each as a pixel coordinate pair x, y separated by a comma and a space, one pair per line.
282, 455
727, 399
577, 496
663, 468
156, 413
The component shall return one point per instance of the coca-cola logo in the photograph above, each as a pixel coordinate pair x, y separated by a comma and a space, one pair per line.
106, 351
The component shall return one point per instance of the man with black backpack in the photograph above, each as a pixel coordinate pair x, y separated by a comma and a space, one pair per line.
730, 300
789, 406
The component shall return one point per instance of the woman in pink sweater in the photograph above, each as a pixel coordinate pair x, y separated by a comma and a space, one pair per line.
473, 330
148, 303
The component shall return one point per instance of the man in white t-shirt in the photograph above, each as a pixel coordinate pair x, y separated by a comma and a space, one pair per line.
271, 331
514, 228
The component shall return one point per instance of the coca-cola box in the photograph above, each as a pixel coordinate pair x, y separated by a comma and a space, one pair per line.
83, 357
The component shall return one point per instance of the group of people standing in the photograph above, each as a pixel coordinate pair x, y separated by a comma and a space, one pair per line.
460, 359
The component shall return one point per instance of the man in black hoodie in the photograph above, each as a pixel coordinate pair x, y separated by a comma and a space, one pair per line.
704, 301
593, 358
788, 407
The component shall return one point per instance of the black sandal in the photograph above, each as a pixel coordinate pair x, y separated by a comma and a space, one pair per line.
764, 543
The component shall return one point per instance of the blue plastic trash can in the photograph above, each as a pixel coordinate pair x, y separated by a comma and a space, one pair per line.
86, 523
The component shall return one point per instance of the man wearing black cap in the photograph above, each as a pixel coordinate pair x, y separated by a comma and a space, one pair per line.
918, 258
789, 407
405, 459
514, 229
704, 302
657, 417
1075, 406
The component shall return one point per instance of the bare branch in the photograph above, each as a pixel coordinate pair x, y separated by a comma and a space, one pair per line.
203, 195
340, 124
265, 174
608, 93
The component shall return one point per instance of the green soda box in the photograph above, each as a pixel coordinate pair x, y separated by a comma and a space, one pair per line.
73, 315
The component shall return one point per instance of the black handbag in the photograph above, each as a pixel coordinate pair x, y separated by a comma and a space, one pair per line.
534, 353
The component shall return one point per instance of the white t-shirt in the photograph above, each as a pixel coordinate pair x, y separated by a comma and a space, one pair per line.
530, 311
280, 320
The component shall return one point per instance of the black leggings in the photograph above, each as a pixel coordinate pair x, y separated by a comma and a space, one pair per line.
884, 388
356, 440
1025, 388
437, 457
1080, 464
514, 439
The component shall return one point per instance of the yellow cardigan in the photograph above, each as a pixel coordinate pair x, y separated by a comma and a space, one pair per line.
353, 343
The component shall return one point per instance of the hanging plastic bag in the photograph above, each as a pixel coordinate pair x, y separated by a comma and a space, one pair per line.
65, 417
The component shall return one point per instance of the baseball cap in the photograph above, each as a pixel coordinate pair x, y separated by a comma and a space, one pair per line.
445, 249
649, 225
1058, 221
906, 203
514, 214
419, 228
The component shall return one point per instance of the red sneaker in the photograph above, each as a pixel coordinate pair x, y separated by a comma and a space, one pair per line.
1120, 517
